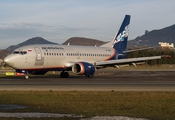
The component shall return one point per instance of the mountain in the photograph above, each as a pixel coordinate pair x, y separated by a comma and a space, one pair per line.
150, 38
39, 40
153, 37
35, 40
83, 41
4, 53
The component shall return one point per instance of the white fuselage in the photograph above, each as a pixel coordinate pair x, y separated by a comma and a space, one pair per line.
56, 56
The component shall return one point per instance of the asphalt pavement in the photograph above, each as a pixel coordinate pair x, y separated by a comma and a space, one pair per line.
104, 80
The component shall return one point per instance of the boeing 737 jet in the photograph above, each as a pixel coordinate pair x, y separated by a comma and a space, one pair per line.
81, 60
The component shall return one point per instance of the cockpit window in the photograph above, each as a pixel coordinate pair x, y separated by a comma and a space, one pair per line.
16, 52
20, 52
23, 52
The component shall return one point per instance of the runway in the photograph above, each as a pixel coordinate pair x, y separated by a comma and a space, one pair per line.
104, 80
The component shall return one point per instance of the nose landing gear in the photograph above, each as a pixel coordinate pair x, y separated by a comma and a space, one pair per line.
26, 76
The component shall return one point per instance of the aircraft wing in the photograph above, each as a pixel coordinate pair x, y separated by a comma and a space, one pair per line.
125, 61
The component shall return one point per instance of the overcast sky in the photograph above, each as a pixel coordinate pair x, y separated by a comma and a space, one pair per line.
58, 20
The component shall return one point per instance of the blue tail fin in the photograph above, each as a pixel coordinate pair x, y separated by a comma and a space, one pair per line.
120, 40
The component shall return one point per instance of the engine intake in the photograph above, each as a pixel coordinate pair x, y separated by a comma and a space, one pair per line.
83, 68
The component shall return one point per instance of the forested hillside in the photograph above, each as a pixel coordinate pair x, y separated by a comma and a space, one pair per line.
169, 56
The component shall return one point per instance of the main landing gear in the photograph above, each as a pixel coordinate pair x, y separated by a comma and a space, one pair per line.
64, 74
89, 76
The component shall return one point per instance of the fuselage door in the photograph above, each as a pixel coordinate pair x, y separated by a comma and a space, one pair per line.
38, 54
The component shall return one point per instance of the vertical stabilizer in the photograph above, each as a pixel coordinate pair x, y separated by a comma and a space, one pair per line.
119, 43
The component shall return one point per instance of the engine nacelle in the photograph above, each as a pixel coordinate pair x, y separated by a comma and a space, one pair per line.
83, 68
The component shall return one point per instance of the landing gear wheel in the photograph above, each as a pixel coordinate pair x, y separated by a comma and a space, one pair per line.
64, 74
26, 77
89, 76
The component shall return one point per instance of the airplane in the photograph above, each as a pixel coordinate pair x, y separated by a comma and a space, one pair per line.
81, 60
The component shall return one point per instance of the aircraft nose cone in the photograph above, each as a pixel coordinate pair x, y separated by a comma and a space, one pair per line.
8, 61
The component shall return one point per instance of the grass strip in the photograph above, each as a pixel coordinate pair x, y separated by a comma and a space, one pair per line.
150, 105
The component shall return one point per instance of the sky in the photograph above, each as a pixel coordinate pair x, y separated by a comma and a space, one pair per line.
59, 20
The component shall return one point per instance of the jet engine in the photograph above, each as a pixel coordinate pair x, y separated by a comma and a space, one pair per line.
83, 68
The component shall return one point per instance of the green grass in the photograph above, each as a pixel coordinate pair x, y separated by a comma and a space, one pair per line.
150, 105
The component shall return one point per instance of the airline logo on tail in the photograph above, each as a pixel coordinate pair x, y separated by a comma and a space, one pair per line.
122, 35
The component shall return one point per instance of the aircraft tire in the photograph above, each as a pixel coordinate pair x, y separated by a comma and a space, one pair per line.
26, 77
64, 74
89, 76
